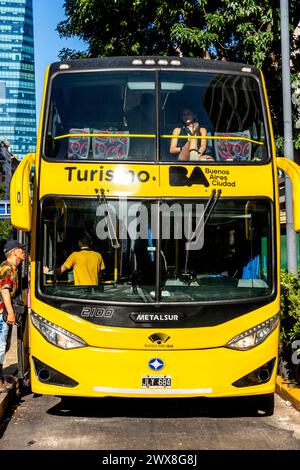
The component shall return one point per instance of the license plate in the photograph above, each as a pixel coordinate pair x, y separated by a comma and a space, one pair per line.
156, 381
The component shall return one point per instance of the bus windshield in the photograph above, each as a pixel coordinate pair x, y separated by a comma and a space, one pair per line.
113, 116
206, 256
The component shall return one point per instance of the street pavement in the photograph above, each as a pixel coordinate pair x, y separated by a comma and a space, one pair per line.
47, 422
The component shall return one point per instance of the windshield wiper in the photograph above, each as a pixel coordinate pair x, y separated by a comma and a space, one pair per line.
110, 226
208, 209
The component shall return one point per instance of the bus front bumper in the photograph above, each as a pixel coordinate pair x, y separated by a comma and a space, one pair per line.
96, 372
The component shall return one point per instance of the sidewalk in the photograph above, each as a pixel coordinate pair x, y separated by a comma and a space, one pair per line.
10, 368
288, 391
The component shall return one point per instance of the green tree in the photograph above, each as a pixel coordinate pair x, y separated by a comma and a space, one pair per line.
2, 190
290, 321
5, 229
246, 31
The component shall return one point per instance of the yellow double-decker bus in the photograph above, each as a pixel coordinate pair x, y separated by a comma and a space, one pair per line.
154, 230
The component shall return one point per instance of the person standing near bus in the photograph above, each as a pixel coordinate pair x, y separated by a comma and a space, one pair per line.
86, 264
15, 254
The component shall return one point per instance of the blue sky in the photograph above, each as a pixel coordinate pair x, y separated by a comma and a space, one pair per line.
47, 44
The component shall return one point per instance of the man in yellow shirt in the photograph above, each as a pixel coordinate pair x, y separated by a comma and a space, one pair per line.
86, 264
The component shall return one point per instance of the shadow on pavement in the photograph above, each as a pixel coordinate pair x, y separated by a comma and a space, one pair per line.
15, 401
160, 408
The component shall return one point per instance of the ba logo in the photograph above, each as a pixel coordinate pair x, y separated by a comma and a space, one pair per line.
159, 338
178, 176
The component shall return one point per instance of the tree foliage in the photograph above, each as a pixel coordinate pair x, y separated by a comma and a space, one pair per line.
5, 229
290, 307
246, 31
290, 323
2, 190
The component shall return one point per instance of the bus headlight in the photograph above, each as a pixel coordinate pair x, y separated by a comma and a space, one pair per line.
56, 335
256, 335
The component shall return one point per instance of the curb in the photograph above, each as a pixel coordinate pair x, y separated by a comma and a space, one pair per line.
5, 399
288, 391
10, 368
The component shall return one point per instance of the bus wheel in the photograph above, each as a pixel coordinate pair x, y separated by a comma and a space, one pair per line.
265, 403
23, 387
66, 402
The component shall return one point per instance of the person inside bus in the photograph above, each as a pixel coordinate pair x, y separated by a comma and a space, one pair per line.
189, 149
141, 120
86, 263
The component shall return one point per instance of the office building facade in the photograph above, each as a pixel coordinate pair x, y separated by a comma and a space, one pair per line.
17, 79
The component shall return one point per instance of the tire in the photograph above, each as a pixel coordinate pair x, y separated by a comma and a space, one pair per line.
24, 387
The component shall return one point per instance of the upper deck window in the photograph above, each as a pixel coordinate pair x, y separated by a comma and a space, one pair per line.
102, 116
212, 117
111, 116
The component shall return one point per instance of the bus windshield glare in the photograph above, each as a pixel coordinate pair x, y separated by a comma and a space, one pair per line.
111, 116
221, 254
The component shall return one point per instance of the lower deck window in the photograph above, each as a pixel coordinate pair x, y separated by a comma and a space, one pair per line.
114, 251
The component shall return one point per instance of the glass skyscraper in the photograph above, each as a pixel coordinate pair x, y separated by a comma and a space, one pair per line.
17, 80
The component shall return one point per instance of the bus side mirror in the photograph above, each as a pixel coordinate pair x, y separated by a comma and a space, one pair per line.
20, 204
293, 171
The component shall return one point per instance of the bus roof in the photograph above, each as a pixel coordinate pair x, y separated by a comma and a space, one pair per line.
152, 62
